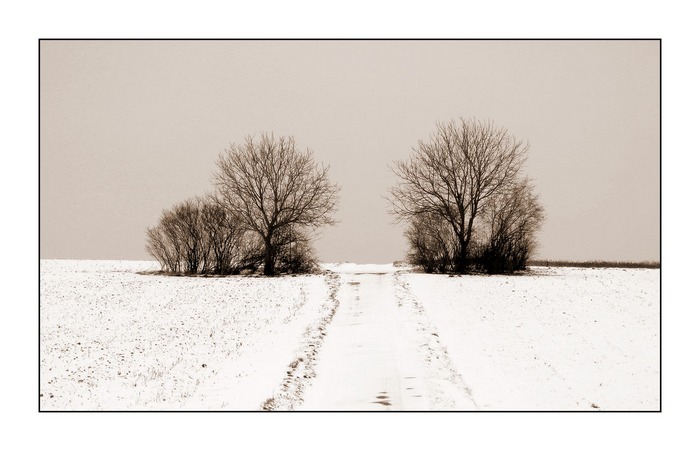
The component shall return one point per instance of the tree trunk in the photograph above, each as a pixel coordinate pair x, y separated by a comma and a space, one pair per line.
461, 266
269, 269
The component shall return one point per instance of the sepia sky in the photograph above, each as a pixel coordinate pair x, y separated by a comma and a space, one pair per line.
128, 128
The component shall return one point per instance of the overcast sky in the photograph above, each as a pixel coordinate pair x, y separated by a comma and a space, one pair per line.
128, 128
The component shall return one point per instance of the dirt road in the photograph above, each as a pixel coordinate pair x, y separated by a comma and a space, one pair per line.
379, 352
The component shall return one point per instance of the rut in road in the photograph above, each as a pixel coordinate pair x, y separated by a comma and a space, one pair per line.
301, 369
380, 352
445, 379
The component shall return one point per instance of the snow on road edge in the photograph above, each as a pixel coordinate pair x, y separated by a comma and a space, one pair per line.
445, 384
301, 369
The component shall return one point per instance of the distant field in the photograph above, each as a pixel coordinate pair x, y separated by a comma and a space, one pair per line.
595, 264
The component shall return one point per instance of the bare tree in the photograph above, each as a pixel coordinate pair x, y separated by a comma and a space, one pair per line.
512, 218
431, 243
225, 238
187, 218
178, 242
293, 252
454, 173
270, 185
164, 247
194, 237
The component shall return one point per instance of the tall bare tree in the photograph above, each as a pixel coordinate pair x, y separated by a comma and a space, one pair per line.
270, 185
454, 173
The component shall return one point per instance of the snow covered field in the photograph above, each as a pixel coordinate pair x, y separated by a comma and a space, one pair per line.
563, 339
358, 337
113, 339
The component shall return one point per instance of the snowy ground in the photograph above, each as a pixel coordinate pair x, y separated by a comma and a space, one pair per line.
358, 337
379, 355
113, 339
562, 339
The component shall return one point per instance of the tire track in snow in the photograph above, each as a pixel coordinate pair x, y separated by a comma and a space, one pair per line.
444, 378
301, 369
370, 360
